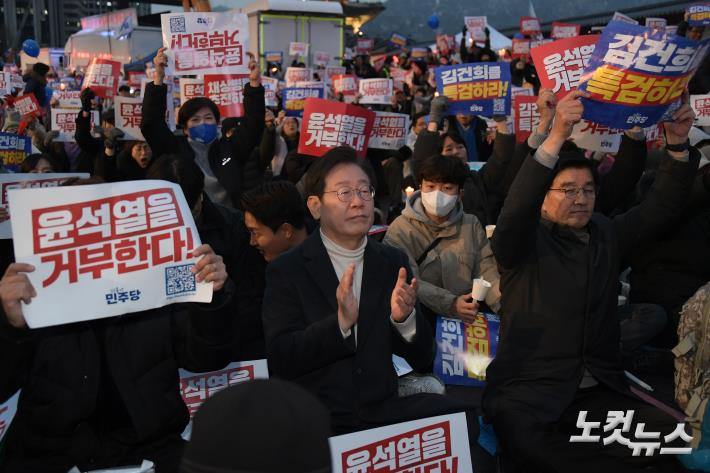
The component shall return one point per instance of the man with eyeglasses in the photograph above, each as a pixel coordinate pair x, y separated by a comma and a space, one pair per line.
558, 353
339, 305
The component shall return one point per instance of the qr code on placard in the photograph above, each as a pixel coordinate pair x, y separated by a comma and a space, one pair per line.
499, 105
177, 24
179, 280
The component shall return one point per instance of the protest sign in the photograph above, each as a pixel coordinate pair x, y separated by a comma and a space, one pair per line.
196, 388
398, 77
227, 91
465, 350
698, 14
527, 116
364, 46
297, 74
128, 113
618, 16
445, 44
389, 130
10, 82
26, 181
294, 99
476, 27
321, 58
346, 85
118, 248
136, 77
564, 30
657, 23
520, 48
327, 124
517, 91
375, 91
398, 40
655, 136
701, 107
401, 367
476, 89
191, 88
64, 121
205, 43
102, 77
298, 49
271, 86
434, 444
419, 53
530, 26
560, 64
13, 150
67, 98
331, 71
635, 74
8, 409
277, 57
27, 106
596, 137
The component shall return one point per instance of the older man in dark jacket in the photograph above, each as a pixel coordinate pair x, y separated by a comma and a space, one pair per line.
559, 341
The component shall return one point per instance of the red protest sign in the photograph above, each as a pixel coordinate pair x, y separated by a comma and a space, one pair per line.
135, 78
327, 124
521, 48
564, 30
27, 106
345, 84
560, 64
227, 91
102, 76
364, 46
527, 116
529, 25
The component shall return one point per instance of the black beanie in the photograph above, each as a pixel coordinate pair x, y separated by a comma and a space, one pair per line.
261, 426
40, 68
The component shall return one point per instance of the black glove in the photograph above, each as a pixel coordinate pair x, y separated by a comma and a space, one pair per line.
86, 96
111, 137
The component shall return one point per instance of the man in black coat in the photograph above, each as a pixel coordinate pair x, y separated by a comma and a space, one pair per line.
105, 393
559, 342
221, 159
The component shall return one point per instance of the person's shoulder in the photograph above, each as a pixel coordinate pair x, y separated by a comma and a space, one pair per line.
388, 252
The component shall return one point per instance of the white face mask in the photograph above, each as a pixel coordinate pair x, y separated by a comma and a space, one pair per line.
439, 203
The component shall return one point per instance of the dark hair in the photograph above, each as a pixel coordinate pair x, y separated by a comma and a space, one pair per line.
192, 106
572, 157
109, 116
453, 136
182, 171
319, 171
417, 116
30, 162
443, 169
275, 203
124, 88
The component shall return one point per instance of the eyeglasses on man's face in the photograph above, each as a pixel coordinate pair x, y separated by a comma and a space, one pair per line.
346, 194
571, 193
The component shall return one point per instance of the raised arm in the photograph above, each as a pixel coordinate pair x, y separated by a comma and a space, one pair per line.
154, 125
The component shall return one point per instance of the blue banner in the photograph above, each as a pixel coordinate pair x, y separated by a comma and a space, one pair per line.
482, 88
274, 56
398, 40
294, 99
637, 75
698, 15
13, 150
464, 351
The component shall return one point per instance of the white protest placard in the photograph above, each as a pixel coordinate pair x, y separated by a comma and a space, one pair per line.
271, 86
701, 107
618, 16
118, 248
128, 113
440, 444
297, 74
196, 388
298, 49
28, 181
8, 409
657, 23
67, 98
596, 137
321, 58
389, 130
191, 88
375, 91
332, 71
64, 121
476, 26
206, 43
9, 82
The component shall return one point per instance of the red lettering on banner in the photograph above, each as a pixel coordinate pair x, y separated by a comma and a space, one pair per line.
202, 50
195, 390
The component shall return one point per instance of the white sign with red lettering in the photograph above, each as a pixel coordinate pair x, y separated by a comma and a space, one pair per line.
271, 86
321, 59
128, 115
331, 71
191, 88
389, 130
435, 444
298, 49
9, 82
375, 91
206, 43
656, 23
28, 181
618, 16
196, 388
297, 74
118, 248
67, 98
596, 137
8, 409
64, 121
701, 107
476, 26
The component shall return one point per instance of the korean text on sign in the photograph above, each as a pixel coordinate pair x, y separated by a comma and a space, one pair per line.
191, 88
701, 107
64, 121
529, 25
196, 388
699, 14
476, 89
636, 74
389, 130
205, 43
13, 150
476, 27
128, 116
27, 106
294, 99
102, 77
596, 137
564, 30
436, 444
227, 91
298, 74
527, 116
375, 91
560, 64
90, 242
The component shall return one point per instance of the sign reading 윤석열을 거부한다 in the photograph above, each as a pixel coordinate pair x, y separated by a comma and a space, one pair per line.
119, 248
